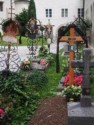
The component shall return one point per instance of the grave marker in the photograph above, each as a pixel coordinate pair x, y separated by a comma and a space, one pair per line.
86, 64
72, 39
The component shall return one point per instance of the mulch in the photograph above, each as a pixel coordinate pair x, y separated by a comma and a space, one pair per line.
51, 111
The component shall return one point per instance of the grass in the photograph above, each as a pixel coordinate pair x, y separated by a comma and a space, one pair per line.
53, 78
26, 41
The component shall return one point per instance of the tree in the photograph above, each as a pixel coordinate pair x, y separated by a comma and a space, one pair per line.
31, 10
22, 18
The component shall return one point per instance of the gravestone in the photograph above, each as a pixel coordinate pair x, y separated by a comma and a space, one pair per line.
82, 113
86, 64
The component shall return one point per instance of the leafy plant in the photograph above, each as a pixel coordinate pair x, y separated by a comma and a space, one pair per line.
43, 51
71, 91
38, 79
50, 59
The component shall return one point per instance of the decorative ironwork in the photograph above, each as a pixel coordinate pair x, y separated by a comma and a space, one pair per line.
32, 28
9, 58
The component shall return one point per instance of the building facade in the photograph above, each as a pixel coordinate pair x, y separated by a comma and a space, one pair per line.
89, 14
59, 12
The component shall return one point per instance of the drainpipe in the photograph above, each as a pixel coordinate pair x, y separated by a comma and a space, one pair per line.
83, 8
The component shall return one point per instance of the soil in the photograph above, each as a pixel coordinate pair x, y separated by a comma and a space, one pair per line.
52, 111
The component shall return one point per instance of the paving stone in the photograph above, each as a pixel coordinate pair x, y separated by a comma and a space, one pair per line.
78, 115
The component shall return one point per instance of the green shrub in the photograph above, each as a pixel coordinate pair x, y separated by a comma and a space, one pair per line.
38, 79
43, 51
50, 59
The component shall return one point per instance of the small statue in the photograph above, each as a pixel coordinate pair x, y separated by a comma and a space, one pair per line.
48, 31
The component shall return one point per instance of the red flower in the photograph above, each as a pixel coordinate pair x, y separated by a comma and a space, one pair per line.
77, 79
66, 79
2, 112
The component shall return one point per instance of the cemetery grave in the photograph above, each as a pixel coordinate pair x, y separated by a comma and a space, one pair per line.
23, 86
22, 94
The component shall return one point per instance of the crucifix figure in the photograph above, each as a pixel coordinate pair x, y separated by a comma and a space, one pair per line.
86, 64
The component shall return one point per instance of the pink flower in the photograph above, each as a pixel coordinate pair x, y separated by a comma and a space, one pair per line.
66, 79
2, 112
43, 62
77, 79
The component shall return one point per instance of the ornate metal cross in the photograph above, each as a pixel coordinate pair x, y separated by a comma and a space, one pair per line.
86, 64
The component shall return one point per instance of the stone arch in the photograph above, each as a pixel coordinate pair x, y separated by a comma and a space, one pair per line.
58, 27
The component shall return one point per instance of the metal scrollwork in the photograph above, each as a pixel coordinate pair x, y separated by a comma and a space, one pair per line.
9, 59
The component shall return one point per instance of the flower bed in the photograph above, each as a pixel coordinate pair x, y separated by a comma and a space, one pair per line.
74, 91
3, 116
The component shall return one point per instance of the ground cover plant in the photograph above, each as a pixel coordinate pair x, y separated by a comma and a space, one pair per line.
26, 41
20, 94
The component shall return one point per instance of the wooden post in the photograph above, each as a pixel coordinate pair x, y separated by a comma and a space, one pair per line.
71, 71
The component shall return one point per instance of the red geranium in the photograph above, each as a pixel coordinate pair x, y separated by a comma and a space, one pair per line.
2, 112
78, 79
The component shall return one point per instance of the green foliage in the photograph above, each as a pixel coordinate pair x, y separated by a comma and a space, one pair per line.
24, 99
38, 79
23, 19
71, 91
31, 10
50, 59
43, 52
92, 83
16, 91
65, 67
84, 26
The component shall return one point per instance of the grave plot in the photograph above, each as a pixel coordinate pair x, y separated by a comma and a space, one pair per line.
76, 84
9, 63
73, 80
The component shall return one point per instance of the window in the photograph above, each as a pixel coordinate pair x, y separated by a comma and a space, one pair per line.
48, 12
64, 12
1, 6
80, 12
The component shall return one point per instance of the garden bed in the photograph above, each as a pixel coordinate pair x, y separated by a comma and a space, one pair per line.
52, 111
